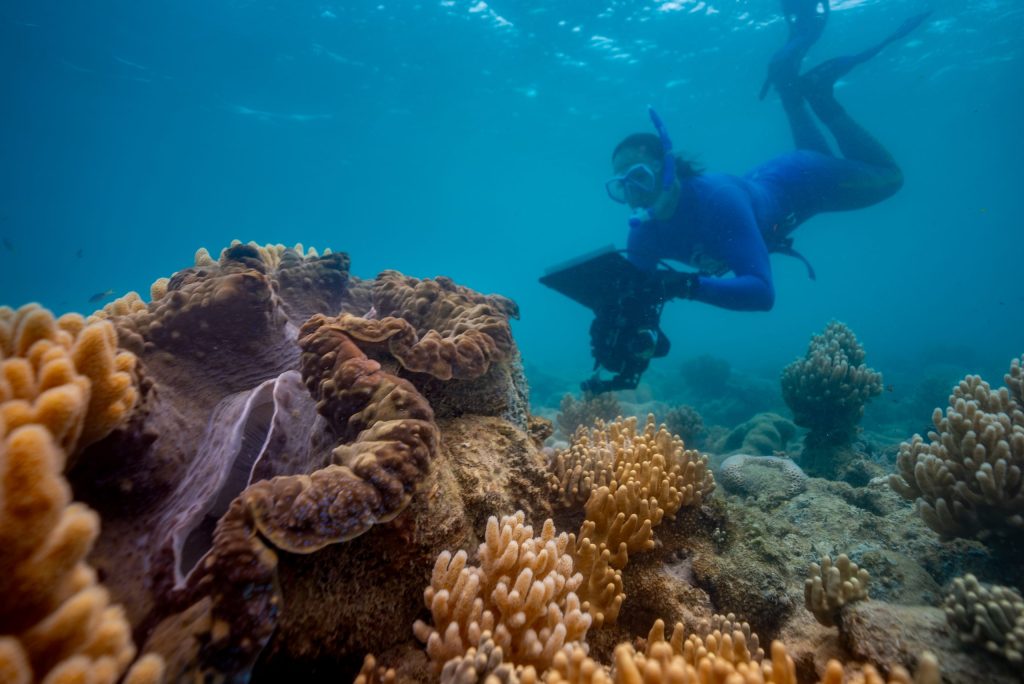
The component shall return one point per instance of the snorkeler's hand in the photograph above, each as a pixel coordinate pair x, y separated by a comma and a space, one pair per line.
677, 284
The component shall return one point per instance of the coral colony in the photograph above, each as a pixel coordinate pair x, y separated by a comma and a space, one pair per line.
275, 469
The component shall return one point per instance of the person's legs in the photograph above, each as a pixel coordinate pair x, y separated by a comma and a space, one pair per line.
817, 88
806, 20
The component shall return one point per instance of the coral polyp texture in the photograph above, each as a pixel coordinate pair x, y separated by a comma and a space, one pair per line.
64, 374
628, 480
826, 390
987, 616
56, 622
830, 586
967, 479
522, 592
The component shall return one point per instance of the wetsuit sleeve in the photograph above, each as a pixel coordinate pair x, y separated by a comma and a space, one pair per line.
642, 249
738, 242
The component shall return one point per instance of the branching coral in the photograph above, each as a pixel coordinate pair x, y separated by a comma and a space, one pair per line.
685, 422
631, 480
828, 388
586, 411
485, 664
56, 622
661, 664
369, 673
829, 587
991, 616
523, 592
65, 375
967, 479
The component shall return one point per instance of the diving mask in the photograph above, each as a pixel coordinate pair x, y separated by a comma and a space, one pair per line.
636, 187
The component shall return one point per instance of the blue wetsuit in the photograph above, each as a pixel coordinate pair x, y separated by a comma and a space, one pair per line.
725, 223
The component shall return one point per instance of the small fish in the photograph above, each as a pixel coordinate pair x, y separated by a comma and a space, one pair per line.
100, 296
79, 252
890, 388
8, 245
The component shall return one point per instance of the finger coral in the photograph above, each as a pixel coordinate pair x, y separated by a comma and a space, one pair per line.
56, 622
523, 592
64, 374
827, 390
631, 479
584, 412
990, 616
829, 587
967, 478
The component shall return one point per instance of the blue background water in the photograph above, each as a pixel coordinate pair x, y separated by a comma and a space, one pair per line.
472, 139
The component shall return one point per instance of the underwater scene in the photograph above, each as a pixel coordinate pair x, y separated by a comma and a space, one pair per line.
512, 341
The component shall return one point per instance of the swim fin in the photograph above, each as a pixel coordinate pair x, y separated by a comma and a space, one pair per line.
821, 78
806, 20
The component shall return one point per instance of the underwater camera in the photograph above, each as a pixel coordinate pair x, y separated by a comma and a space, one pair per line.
625, 334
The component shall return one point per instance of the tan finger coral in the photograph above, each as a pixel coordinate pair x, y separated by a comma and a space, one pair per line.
523, 592
968, 479
485, 664
56, 623
829, 587
649, 475
991, 616
64, 374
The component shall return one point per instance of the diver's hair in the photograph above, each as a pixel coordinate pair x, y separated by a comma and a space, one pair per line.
650, 144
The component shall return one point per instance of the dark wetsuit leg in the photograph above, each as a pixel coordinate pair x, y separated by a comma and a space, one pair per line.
811, 180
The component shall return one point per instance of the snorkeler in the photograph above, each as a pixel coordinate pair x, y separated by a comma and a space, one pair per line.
721, 224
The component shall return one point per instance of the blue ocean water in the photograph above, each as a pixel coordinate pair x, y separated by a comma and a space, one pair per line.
472, 139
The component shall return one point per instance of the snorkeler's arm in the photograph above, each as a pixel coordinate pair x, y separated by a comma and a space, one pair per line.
642, 248
740, 245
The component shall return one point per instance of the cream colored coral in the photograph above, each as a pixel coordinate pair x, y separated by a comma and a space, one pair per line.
485, 664
56, 623
602, 592
661, 663
572, 666
968, 479
523, 592
829, 587
125, 305
991, 616
578, 470
635, 479
828, 388
723, 638
369, 673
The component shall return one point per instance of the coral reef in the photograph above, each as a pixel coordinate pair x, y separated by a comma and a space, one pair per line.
586, 411
967, 479
685, 422
766, 434
762, 476
829, 587
523, 593
196, 519
826, 390
991, 616
284, 456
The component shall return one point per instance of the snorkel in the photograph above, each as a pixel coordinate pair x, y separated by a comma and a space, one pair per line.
668, 169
